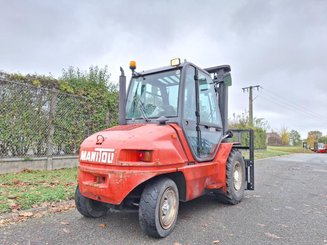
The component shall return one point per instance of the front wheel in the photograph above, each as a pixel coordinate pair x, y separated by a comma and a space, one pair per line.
88, 207
235, 179
158, 207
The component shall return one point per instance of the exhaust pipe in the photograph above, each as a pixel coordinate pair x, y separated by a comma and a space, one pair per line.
122, 97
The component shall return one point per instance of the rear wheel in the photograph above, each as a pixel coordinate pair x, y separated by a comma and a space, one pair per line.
235, 179
158, 208
88, 207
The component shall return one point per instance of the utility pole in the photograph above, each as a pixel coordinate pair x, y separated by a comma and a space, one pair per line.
249, 89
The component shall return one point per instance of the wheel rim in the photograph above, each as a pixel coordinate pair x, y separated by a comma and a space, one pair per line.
168, 208
237, 176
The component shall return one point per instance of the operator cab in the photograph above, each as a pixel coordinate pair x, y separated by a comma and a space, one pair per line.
184, 94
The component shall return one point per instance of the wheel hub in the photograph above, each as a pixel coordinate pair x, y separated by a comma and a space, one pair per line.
165, 207
168, 208
237, 176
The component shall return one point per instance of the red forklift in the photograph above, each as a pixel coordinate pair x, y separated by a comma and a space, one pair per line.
171, 146
320, 147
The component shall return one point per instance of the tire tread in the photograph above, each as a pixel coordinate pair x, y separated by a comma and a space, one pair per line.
228, 197
85, 206
148, 205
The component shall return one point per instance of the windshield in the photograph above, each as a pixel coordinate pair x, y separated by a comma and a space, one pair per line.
154, 95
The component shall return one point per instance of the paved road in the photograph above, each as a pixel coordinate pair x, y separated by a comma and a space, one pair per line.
289, 206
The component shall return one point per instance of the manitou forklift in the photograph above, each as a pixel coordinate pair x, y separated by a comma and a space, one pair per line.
319, 147
171, 145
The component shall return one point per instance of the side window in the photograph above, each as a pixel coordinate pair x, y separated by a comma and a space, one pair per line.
209, 115
208, 101
189, 97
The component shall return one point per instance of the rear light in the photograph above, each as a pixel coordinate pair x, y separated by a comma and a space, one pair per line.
145, 156
136, 155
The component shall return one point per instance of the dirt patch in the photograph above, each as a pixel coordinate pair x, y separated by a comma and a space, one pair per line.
45, 209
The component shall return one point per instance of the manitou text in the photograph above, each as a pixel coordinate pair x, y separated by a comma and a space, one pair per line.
100, 155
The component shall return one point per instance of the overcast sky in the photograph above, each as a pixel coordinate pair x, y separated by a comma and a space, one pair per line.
279, 45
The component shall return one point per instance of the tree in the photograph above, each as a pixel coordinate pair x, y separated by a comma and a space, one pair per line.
295, 137
323, 139
313, 136
99, 110
284, 134
274, 138
316, 133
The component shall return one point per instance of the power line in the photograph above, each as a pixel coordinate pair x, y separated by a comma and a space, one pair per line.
289, 102
282, 106
291, 105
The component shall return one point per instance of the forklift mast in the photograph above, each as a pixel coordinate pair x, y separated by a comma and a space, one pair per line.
222, 79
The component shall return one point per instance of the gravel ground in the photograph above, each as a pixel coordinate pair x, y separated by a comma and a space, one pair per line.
288, 206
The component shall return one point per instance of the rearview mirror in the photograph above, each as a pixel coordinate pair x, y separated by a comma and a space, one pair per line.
229, 134
227, 79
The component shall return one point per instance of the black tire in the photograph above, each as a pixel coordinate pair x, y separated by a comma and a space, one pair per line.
88, 207
158, 209
234, 189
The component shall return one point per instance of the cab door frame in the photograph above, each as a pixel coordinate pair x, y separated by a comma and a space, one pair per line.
196, 127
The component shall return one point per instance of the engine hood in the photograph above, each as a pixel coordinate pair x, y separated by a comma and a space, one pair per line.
105, 146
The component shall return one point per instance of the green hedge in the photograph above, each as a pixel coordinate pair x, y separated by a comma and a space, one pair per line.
242, 122
39, 112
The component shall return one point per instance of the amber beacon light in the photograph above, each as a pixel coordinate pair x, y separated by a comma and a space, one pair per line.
132, 65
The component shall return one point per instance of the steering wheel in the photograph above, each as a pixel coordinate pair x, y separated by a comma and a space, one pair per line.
149, 108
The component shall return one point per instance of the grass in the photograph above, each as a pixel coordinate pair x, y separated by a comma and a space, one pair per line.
289, 149
29, 188
260, 154
274, 151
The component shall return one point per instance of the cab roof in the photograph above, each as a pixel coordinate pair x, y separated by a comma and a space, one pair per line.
225, 68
